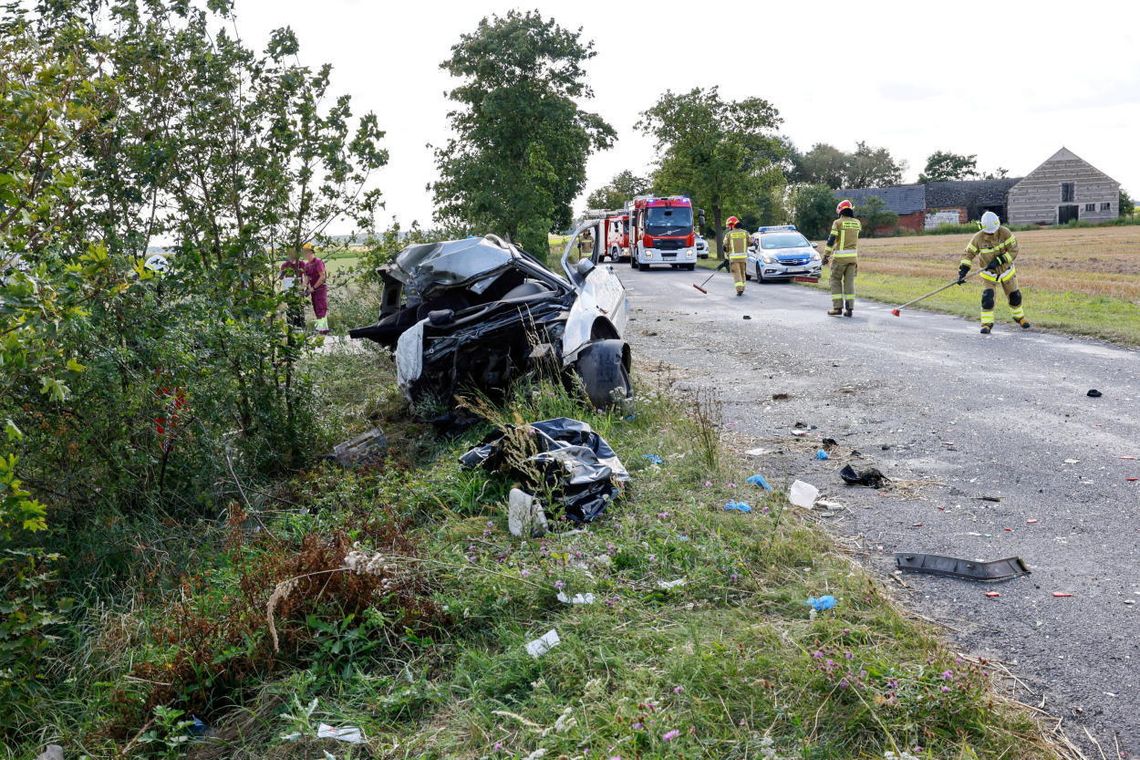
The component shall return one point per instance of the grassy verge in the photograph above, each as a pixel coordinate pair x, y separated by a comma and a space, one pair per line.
424, 650
1103, 317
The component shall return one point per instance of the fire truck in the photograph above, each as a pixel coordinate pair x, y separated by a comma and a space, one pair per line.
661, 232
616, 232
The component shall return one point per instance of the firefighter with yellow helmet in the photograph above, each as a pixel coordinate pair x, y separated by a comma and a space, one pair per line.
842, 245
736, 253
995, 248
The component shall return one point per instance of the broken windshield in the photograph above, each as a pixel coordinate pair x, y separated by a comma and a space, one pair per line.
449, 264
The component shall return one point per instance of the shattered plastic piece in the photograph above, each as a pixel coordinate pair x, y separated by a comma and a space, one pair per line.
990, 498
574, 462
737, 506
747, 316
1094, 393
799, 433
1061, 594
829, 443
525, 517
197, 726
992, 594
666, 585
653, 458
821, 455
822, 603
1072, 461
781, 396
576, 599
803, 494
933, 564
871, 477
757, 452
1031, 521
349, 734
758, 480
543, 644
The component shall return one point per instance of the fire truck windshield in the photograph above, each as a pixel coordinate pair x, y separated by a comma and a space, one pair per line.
669, 221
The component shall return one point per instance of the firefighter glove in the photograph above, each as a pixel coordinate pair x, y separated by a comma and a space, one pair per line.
1000, 259
722, 265
962, 271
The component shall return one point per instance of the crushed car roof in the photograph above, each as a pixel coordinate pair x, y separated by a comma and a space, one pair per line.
449, 264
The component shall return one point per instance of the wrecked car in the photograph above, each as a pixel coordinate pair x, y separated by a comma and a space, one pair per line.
479, 312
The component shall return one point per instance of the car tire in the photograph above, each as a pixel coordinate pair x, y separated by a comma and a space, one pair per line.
691, 267
642, 267
759, 277
602, 365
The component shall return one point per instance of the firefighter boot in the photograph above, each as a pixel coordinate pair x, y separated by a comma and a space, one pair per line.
850, 309
986, 329
1024, 323
836, 311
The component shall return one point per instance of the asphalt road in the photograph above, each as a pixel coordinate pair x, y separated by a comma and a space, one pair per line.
964, 416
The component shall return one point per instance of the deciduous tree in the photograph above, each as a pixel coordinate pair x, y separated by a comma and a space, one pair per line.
518, 159
725, 154
621, 188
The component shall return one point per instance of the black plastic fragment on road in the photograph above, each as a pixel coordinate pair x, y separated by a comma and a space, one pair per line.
1094, 393
952, 567
870, 477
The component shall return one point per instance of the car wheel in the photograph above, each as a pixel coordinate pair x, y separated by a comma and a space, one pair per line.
759, 276
691, 267
642, 267
602, 367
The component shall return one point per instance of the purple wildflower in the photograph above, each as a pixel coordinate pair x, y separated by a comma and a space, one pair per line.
559, 585
671, 735
843, 683
678, 689
948, 675
637, 725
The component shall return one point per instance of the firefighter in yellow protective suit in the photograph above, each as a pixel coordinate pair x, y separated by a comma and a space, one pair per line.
736, 253
995, 248
842, 245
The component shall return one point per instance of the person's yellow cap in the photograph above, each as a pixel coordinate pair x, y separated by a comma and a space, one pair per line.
307, 247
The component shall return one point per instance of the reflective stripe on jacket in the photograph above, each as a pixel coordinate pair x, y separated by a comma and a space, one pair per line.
844, 237
736, 244
986, 245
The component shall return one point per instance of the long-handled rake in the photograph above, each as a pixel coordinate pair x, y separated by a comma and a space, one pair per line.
896, 311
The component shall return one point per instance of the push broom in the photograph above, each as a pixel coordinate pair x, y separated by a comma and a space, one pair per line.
898, 309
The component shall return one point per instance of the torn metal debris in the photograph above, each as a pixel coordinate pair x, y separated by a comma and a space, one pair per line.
562, 457
480, 312
933, 564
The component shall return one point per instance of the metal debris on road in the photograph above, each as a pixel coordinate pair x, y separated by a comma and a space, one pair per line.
933, 564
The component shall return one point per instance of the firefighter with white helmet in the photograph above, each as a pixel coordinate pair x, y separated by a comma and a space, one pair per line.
842, 245
736, 253
995, 248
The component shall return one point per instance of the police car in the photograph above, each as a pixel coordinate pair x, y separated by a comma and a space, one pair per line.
781, 253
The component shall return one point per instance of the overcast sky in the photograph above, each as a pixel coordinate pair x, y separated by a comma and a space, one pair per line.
1009, 81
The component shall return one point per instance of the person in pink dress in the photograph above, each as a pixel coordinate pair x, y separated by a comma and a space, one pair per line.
317, 288
292, 276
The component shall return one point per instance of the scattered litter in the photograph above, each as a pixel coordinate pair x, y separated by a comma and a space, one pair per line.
803, 494
666, 585
821, 455
819, 604
51, 752
525, 517
349, 734
828, 504
1129, 458
758, 480
1072, 461
538, 754
198, 726
1031, 521
885, 447
737, 506
543, 644
758, 452
563, 456
989, 498
576, 599
933, 564
1061, 594
747, 317
1131, 480
781, 396
1130, 601
829, 443
799, 433
871, 477
653, 458
917, 525
1094, 393
992, 594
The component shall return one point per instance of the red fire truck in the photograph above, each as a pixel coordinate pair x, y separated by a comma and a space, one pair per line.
615, 242
661, 232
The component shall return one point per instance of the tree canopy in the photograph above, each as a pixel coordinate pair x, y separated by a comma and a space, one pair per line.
866, 166
617, 191
942, 166
724, 154
518, 158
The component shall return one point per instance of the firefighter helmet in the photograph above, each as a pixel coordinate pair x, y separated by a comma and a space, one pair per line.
732, 222
844, 204
990, 222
